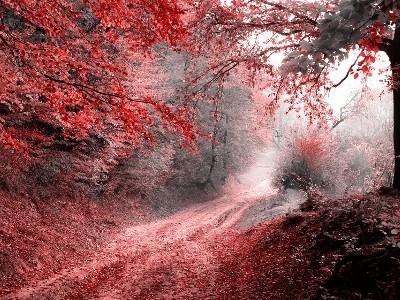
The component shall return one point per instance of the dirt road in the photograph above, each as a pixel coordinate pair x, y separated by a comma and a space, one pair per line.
172, 258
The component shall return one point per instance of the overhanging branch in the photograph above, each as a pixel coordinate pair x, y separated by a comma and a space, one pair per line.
348, 71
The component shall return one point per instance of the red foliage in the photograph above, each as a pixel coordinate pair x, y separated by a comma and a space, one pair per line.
311, 149
70, 64
370, 46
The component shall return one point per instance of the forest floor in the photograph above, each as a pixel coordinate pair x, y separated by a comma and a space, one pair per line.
242, 246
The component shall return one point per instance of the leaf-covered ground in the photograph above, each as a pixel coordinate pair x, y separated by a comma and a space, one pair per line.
333, 249
344, 249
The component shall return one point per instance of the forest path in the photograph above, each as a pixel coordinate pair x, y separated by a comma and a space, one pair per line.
172, 258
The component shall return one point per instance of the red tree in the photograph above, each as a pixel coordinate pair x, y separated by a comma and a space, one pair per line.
74, 67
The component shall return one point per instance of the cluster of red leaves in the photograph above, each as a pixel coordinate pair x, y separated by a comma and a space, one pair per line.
70, 62
311, 149
370, 46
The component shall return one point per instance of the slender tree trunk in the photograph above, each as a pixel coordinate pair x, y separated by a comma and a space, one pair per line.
394, 56
396, 138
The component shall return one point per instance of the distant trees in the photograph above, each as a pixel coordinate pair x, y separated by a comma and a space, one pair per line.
224, 113
233, 144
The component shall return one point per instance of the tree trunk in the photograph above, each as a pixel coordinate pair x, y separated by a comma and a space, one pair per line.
394, 56
396, 137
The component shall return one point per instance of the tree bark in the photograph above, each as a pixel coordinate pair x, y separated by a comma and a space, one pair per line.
394, 56
396, 138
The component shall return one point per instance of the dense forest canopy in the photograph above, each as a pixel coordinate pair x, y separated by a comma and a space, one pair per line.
75, 66
93, 69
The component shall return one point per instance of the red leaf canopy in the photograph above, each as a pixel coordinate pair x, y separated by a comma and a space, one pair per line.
77, 66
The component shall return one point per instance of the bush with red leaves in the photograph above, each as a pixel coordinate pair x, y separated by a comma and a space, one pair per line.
307, 162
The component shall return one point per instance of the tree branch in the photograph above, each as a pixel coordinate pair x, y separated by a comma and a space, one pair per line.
76, 85
348, 71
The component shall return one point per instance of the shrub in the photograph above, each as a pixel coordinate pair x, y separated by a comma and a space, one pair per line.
335, 163
307, 163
